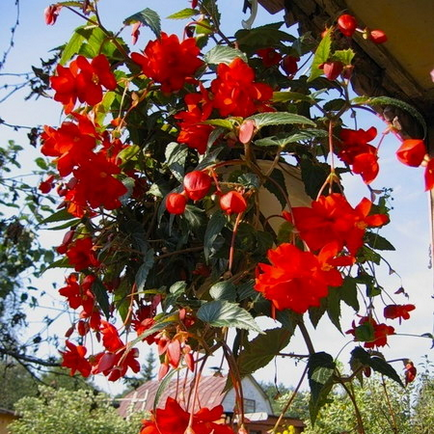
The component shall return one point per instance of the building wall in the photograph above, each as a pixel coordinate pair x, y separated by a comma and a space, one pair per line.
5, 420
250, 391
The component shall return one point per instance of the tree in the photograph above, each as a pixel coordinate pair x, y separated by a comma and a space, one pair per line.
70, 412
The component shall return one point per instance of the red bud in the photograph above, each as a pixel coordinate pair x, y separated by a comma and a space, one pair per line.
197, 184
233, 203
175, 203
411, 152
347, 24
289, 64
377, 36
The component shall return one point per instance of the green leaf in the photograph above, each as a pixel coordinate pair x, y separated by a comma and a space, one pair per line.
213, 229
322, 54
344, 56
176, 154
313, 175
378, 364
58, 216
224, 291
224, 123
262, 350
143, 271
385, 100
348, 293
334, 308
61, 263
162, 387
72, 47
221, 313
277, 176
175, 291
320, 374
41, 163
377, 242
265, 36
194, 216
292, 96
308, 134
101, 295
246, 290
183, 14
148, 18
279, 118
223, 54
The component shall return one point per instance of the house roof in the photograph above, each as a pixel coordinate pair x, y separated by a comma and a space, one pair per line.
211, 393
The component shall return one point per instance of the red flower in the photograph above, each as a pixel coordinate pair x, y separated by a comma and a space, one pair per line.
82, 80
81, 254
236, 93
295, 279
371, 333
233, 203
400, 311
347, 24
169, 62
173, 419
175, 203
72, 291
356, 151
116, 365
289, 64
332, 218
73, 358
332, 70
429, 175
410, 372
411, 152
47, 185
377, 36
193, 132
51, 13
110, 337
269, 56
197, 184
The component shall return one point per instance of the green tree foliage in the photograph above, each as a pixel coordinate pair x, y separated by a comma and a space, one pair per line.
67, 412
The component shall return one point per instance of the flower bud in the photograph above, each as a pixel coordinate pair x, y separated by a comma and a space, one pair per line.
377, 36
247, 129
197, 184
332, 70
347, 24
233, 203
289, 64
175, 203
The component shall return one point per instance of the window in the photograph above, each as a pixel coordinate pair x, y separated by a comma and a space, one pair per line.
249, 406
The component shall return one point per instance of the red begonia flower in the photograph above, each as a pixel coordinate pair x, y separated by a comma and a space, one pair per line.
411, 152
366, 165
233, 202
197, 184
400, 311
169, 62
73, 358
410, 372
269, 56
51, 13
173, 419
347, 24
72, 291
371, 333
295, 279
429, 175
236, 93
332, 218
81, 254
110, 337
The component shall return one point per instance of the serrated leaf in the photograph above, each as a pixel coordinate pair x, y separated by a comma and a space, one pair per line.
224, 291
262, 350
143, 271
194, 216
265, 36
279, 118
214, 227
72, 47
385, 100
221, 313
183, 14
249, 180
334, 308
176, 154
277, 176
246, 290
101, 296
308, 134
148, 18
378, 242
322, 54
344, 56
223, 54
317, 312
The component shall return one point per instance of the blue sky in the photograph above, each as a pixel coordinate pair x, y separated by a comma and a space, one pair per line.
409, 230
